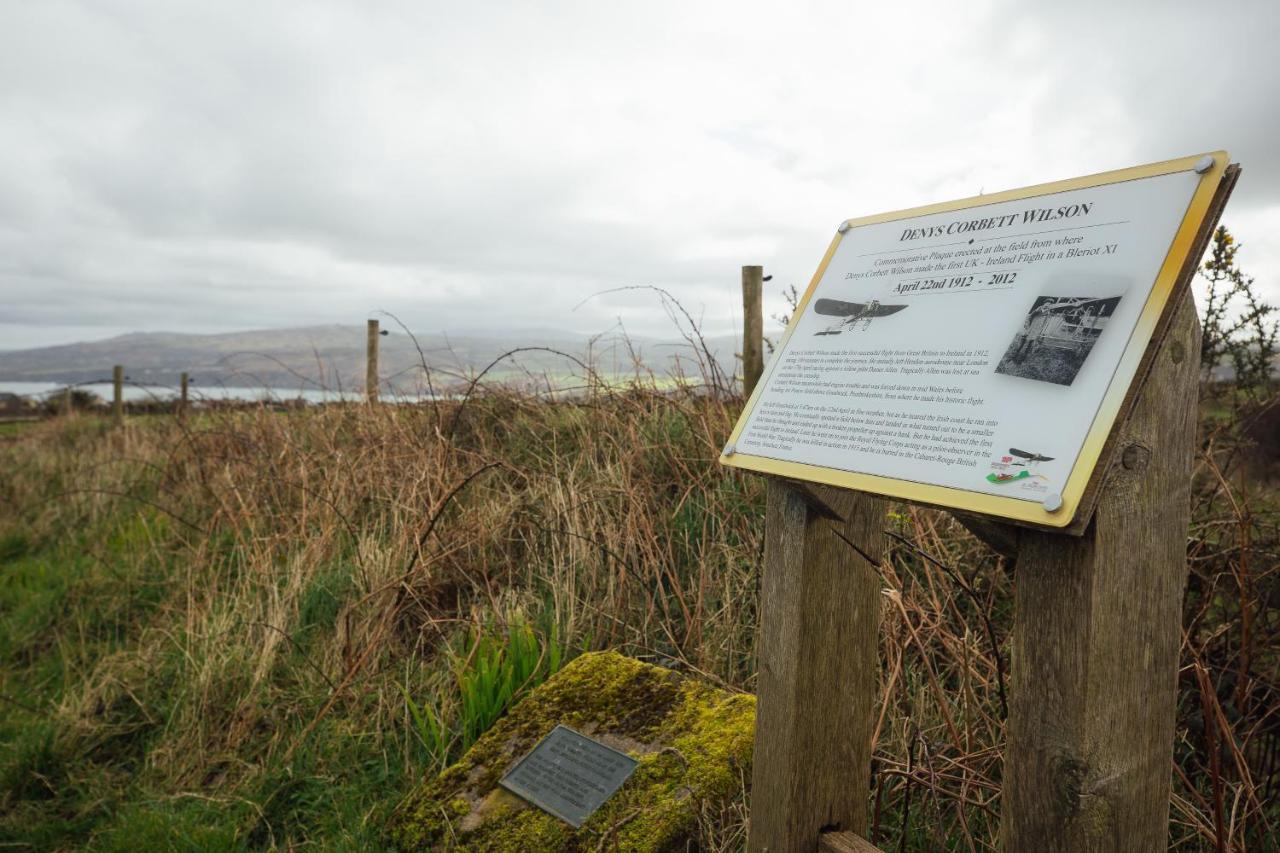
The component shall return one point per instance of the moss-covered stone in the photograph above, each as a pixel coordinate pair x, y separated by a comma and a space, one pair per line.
693, 743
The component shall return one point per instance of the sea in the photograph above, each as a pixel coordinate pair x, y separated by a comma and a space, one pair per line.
138, 393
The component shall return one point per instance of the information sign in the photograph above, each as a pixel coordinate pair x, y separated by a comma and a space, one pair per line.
569, 775
975, 354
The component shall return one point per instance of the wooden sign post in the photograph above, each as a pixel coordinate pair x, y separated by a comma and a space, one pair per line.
1067, 442
817, 669
1097, 629
752, 327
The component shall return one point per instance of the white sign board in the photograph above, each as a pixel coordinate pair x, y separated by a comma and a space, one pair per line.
975, 354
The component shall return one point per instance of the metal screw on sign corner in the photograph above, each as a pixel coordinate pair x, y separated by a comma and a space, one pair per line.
1052, 503
1204, 164
730, 449
844, 226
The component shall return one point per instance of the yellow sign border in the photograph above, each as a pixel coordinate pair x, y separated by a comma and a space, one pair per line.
1074, 491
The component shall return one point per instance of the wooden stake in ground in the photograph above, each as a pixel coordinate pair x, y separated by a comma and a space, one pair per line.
1096, 638
183, 381
752, 327
819, 624
117, 393
66, 400
371, 363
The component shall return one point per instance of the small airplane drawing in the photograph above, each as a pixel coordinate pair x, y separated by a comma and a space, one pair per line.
852, 313
1032, 458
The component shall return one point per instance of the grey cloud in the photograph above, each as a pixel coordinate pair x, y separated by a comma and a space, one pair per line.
1182, 78
175, 165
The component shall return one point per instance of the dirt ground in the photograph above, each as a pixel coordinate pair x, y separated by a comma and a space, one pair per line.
1046, 364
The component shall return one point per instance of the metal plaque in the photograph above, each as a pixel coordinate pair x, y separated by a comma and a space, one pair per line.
569, 775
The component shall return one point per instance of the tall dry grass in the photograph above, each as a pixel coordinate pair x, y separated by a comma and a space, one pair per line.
217, 621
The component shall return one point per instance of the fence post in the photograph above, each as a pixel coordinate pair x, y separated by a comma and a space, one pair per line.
66, 400
1097, 630
817, 673
117, 394
371, 363
183, 381
752, 327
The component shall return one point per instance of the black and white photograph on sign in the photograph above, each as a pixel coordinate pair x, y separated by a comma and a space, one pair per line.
1056, 337
853, 316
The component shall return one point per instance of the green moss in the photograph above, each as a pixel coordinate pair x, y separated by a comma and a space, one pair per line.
693, 743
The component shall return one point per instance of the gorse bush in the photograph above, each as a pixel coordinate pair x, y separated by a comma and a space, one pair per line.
1238, 328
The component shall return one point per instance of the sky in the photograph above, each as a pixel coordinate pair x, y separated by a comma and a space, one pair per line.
218, 166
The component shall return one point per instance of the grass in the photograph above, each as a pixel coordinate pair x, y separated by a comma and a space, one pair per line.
1043, 363
260, 628
13, 428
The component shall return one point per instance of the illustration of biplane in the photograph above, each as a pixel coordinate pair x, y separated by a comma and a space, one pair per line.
852, 314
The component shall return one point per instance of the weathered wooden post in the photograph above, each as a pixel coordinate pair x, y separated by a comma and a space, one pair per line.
817, 670
117, 394
920, 365
752, 327
1098, 621
371, 363
66, 400
1097, 632
183, 381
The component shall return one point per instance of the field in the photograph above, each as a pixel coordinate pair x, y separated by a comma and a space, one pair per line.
259, 628
1043, 363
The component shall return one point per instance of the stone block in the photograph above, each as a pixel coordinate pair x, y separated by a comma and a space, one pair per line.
693, 743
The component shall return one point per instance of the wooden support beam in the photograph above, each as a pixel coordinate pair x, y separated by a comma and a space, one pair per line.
845, 842
1096, 637
817, 681
752, 328
183, 382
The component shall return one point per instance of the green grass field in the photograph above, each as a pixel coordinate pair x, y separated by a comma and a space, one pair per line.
259, 630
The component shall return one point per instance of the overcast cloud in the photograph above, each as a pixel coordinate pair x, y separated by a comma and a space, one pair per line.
228, 165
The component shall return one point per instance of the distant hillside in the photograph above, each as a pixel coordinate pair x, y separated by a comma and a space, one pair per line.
333, 357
